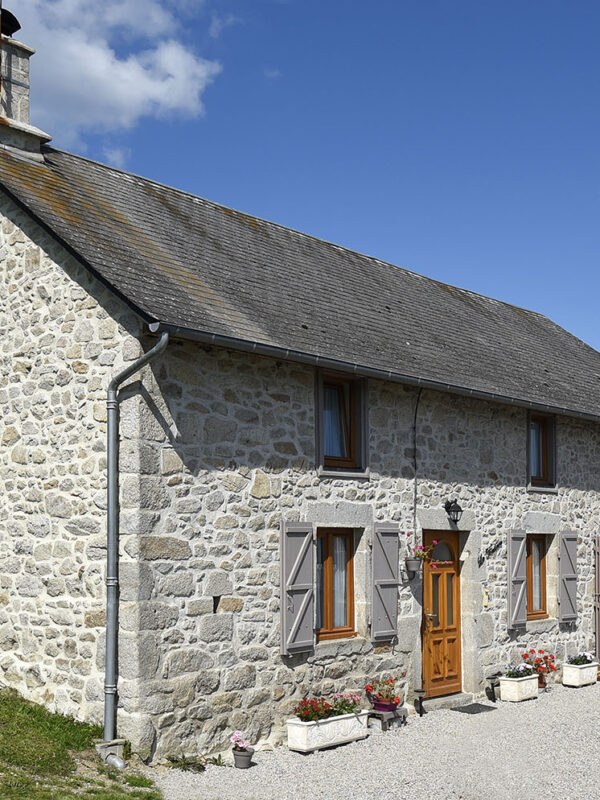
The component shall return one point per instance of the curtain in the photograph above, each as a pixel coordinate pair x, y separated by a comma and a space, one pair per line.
535, 451
333, 422
340, 575
320, 568
536, 553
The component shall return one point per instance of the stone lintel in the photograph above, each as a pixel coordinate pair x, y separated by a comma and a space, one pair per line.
436, 519
541, 522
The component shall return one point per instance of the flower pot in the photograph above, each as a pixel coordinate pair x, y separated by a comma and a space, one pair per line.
513, 690
413, 564
579, 674
305, 737
242, 758
541, 681
382, 705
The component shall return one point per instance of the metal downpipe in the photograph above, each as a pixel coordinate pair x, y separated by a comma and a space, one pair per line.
112, 535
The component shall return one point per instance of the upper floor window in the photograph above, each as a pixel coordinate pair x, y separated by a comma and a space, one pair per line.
541, 451
341, 428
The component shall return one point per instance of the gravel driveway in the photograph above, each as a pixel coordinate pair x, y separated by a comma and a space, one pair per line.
549, 747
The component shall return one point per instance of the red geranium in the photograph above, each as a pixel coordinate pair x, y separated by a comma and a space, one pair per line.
540, 662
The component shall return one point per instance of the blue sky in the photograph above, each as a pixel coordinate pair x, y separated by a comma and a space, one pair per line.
458, 139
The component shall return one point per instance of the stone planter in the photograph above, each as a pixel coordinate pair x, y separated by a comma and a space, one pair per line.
513, 690
242, 758
579, 674
305, 737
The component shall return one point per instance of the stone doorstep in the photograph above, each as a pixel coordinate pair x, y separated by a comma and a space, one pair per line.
112, 748
448, 701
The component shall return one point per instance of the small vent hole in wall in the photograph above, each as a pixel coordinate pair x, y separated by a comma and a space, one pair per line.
216, 599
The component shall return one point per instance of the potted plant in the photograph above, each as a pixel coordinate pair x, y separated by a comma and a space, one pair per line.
580, 670
320, 723
417, 554
382, 694
519, 683
242, 752
541, 663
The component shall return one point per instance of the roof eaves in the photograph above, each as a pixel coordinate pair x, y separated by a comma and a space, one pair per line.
361, 370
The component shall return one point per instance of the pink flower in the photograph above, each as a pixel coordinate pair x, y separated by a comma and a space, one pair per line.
434, 566
435, 541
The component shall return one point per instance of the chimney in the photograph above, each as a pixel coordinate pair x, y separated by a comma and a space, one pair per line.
16, 133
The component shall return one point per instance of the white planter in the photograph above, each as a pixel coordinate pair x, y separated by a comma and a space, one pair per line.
579, 674
516, 689
308, 736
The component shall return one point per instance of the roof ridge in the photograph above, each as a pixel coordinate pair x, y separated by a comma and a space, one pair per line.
298, 232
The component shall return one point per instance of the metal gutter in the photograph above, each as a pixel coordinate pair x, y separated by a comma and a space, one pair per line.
272, 351
112, 534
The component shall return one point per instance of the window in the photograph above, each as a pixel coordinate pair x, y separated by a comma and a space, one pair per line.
536, 577
335, 583
341, 423
541, 451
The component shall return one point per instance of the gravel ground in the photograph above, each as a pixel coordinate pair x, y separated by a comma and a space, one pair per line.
545, 748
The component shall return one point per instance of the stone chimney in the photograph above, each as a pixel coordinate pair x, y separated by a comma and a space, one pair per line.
16, 132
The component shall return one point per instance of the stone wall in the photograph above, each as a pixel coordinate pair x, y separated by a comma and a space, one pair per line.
237, 442
217, 448
62, 335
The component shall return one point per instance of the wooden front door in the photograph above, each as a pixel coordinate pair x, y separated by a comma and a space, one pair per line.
441, 615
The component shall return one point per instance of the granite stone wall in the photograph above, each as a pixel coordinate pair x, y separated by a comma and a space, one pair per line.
217, 448
62, 335
237, 443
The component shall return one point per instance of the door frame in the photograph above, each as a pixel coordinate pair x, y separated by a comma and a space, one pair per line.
452, 539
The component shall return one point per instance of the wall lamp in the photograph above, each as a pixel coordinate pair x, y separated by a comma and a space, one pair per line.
453, 510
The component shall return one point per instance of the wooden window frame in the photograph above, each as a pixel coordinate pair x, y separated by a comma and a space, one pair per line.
540, 613
349, 421
547, 443
328, 631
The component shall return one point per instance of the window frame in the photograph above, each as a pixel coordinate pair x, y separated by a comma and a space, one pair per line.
357, 435
329, 631
548, 445
539, 613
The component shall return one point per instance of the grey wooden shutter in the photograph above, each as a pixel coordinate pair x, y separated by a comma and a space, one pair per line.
567, 576
297, 588
517, 578
384, 606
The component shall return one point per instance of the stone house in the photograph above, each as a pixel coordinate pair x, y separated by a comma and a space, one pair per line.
304, 413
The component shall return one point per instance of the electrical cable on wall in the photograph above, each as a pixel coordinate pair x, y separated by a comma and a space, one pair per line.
415, 482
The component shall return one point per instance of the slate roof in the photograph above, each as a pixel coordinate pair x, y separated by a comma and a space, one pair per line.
188, 262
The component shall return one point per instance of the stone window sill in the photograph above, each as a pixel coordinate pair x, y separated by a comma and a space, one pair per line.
542, 489
346, 474
540, 625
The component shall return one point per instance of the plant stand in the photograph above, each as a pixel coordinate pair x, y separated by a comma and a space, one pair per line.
306, 737
513, 690
385, 720
579, 674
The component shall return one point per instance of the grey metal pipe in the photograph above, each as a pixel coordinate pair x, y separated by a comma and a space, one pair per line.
273, 351
112, 535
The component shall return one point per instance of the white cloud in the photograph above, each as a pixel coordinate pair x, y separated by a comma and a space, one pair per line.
272, 73
101, 67
117, 156
218, 24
